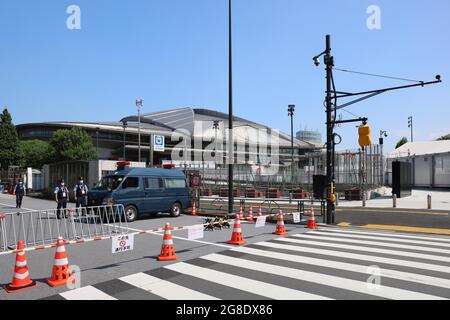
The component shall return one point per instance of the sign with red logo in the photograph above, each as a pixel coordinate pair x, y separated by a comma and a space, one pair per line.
122, 243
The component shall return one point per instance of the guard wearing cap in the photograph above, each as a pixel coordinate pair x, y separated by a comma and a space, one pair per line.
20, 192
80, 192
61, 194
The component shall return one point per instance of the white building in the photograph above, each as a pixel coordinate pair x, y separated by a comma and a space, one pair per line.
430, 162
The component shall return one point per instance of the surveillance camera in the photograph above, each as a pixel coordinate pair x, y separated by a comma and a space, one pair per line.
316, 61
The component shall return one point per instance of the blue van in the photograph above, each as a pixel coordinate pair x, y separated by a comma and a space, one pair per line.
143, 190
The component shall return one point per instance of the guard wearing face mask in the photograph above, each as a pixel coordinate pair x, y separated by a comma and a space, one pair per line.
61, 195
20, 192
80, 192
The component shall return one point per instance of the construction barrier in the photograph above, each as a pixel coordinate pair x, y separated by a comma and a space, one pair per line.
41, 229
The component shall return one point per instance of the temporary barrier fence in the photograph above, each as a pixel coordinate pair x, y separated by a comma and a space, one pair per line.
41, 228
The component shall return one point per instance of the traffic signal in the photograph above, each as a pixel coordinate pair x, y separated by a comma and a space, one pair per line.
364, 136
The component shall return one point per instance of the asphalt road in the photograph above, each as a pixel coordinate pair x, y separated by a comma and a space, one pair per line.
98, 264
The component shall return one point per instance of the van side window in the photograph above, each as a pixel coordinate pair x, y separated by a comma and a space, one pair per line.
153, 183
175, 183
130, 182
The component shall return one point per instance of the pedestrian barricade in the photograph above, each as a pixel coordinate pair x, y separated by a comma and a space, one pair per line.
41, 228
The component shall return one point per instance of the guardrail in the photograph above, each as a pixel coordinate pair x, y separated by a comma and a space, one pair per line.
41, 228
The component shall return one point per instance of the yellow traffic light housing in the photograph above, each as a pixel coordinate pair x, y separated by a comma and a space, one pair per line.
364, 136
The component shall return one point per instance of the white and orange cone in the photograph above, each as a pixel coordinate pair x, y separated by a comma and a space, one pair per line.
250, 214
236, 237
194, 212
60, 271
21, 279
260, 212
280, 229
167, 249
241, 213
312, 220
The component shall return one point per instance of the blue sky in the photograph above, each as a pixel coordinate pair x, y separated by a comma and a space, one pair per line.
174, 53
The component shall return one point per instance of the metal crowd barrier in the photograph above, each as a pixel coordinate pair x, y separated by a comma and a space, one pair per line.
42, 227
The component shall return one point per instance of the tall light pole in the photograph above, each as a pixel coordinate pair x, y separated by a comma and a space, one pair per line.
139, 105
215, 127
230, 115
124, 124
410, 125
291, 109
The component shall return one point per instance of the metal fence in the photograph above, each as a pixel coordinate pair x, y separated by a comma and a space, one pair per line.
42, 227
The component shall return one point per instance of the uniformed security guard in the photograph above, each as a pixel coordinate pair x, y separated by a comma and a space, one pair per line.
20, 192
61, 194
80, 192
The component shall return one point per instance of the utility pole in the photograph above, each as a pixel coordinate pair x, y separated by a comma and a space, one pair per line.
230, 115
410, 125
291, 109
139, 105
124, 138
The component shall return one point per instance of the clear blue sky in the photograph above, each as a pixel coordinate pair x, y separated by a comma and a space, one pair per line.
174, 53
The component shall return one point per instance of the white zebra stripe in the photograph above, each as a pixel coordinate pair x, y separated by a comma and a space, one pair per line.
86, 293
241, 283
163, 288
333, 281
391, 234
367, 249
364, 236
359, 268
358, 256
395, 246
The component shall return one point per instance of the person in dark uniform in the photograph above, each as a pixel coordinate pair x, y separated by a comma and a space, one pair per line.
80, 192
61, 195
20, 192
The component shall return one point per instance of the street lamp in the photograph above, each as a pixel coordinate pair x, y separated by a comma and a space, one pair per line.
139, 105
410, 125
124, 124
291, 109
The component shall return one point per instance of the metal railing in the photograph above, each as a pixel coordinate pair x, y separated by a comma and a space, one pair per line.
43, 227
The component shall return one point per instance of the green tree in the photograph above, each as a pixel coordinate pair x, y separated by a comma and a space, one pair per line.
401, 142
9, 140
35, 153
446, 137
73, 144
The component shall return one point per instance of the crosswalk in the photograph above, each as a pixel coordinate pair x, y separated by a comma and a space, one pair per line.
326, 264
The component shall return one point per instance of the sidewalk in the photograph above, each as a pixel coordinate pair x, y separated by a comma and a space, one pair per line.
440, 200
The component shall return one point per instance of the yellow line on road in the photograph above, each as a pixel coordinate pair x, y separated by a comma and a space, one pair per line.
399, 228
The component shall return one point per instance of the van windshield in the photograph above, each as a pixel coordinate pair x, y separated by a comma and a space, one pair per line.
109, 182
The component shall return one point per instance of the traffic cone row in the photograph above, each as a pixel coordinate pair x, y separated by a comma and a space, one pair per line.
312, 220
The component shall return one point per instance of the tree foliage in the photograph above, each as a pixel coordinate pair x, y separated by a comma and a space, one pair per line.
73, 144
35, 153
401, 142
446, 137
8, 140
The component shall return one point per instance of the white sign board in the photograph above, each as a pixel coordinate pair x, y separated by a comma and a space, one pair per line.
260, 222
122, 243
195, 232
158, 143
296, 217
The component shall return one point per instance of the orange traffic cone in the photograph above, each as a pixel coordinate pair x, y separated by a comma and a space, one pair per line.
312, 220
260, 212
280, 230
250, 214
241, 214
60, 272
194, 212
21, 279
167, 249
236, 237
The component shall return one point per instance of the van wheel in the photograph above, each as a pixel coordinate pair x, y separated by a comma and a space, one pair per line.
131, 213
175, 210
